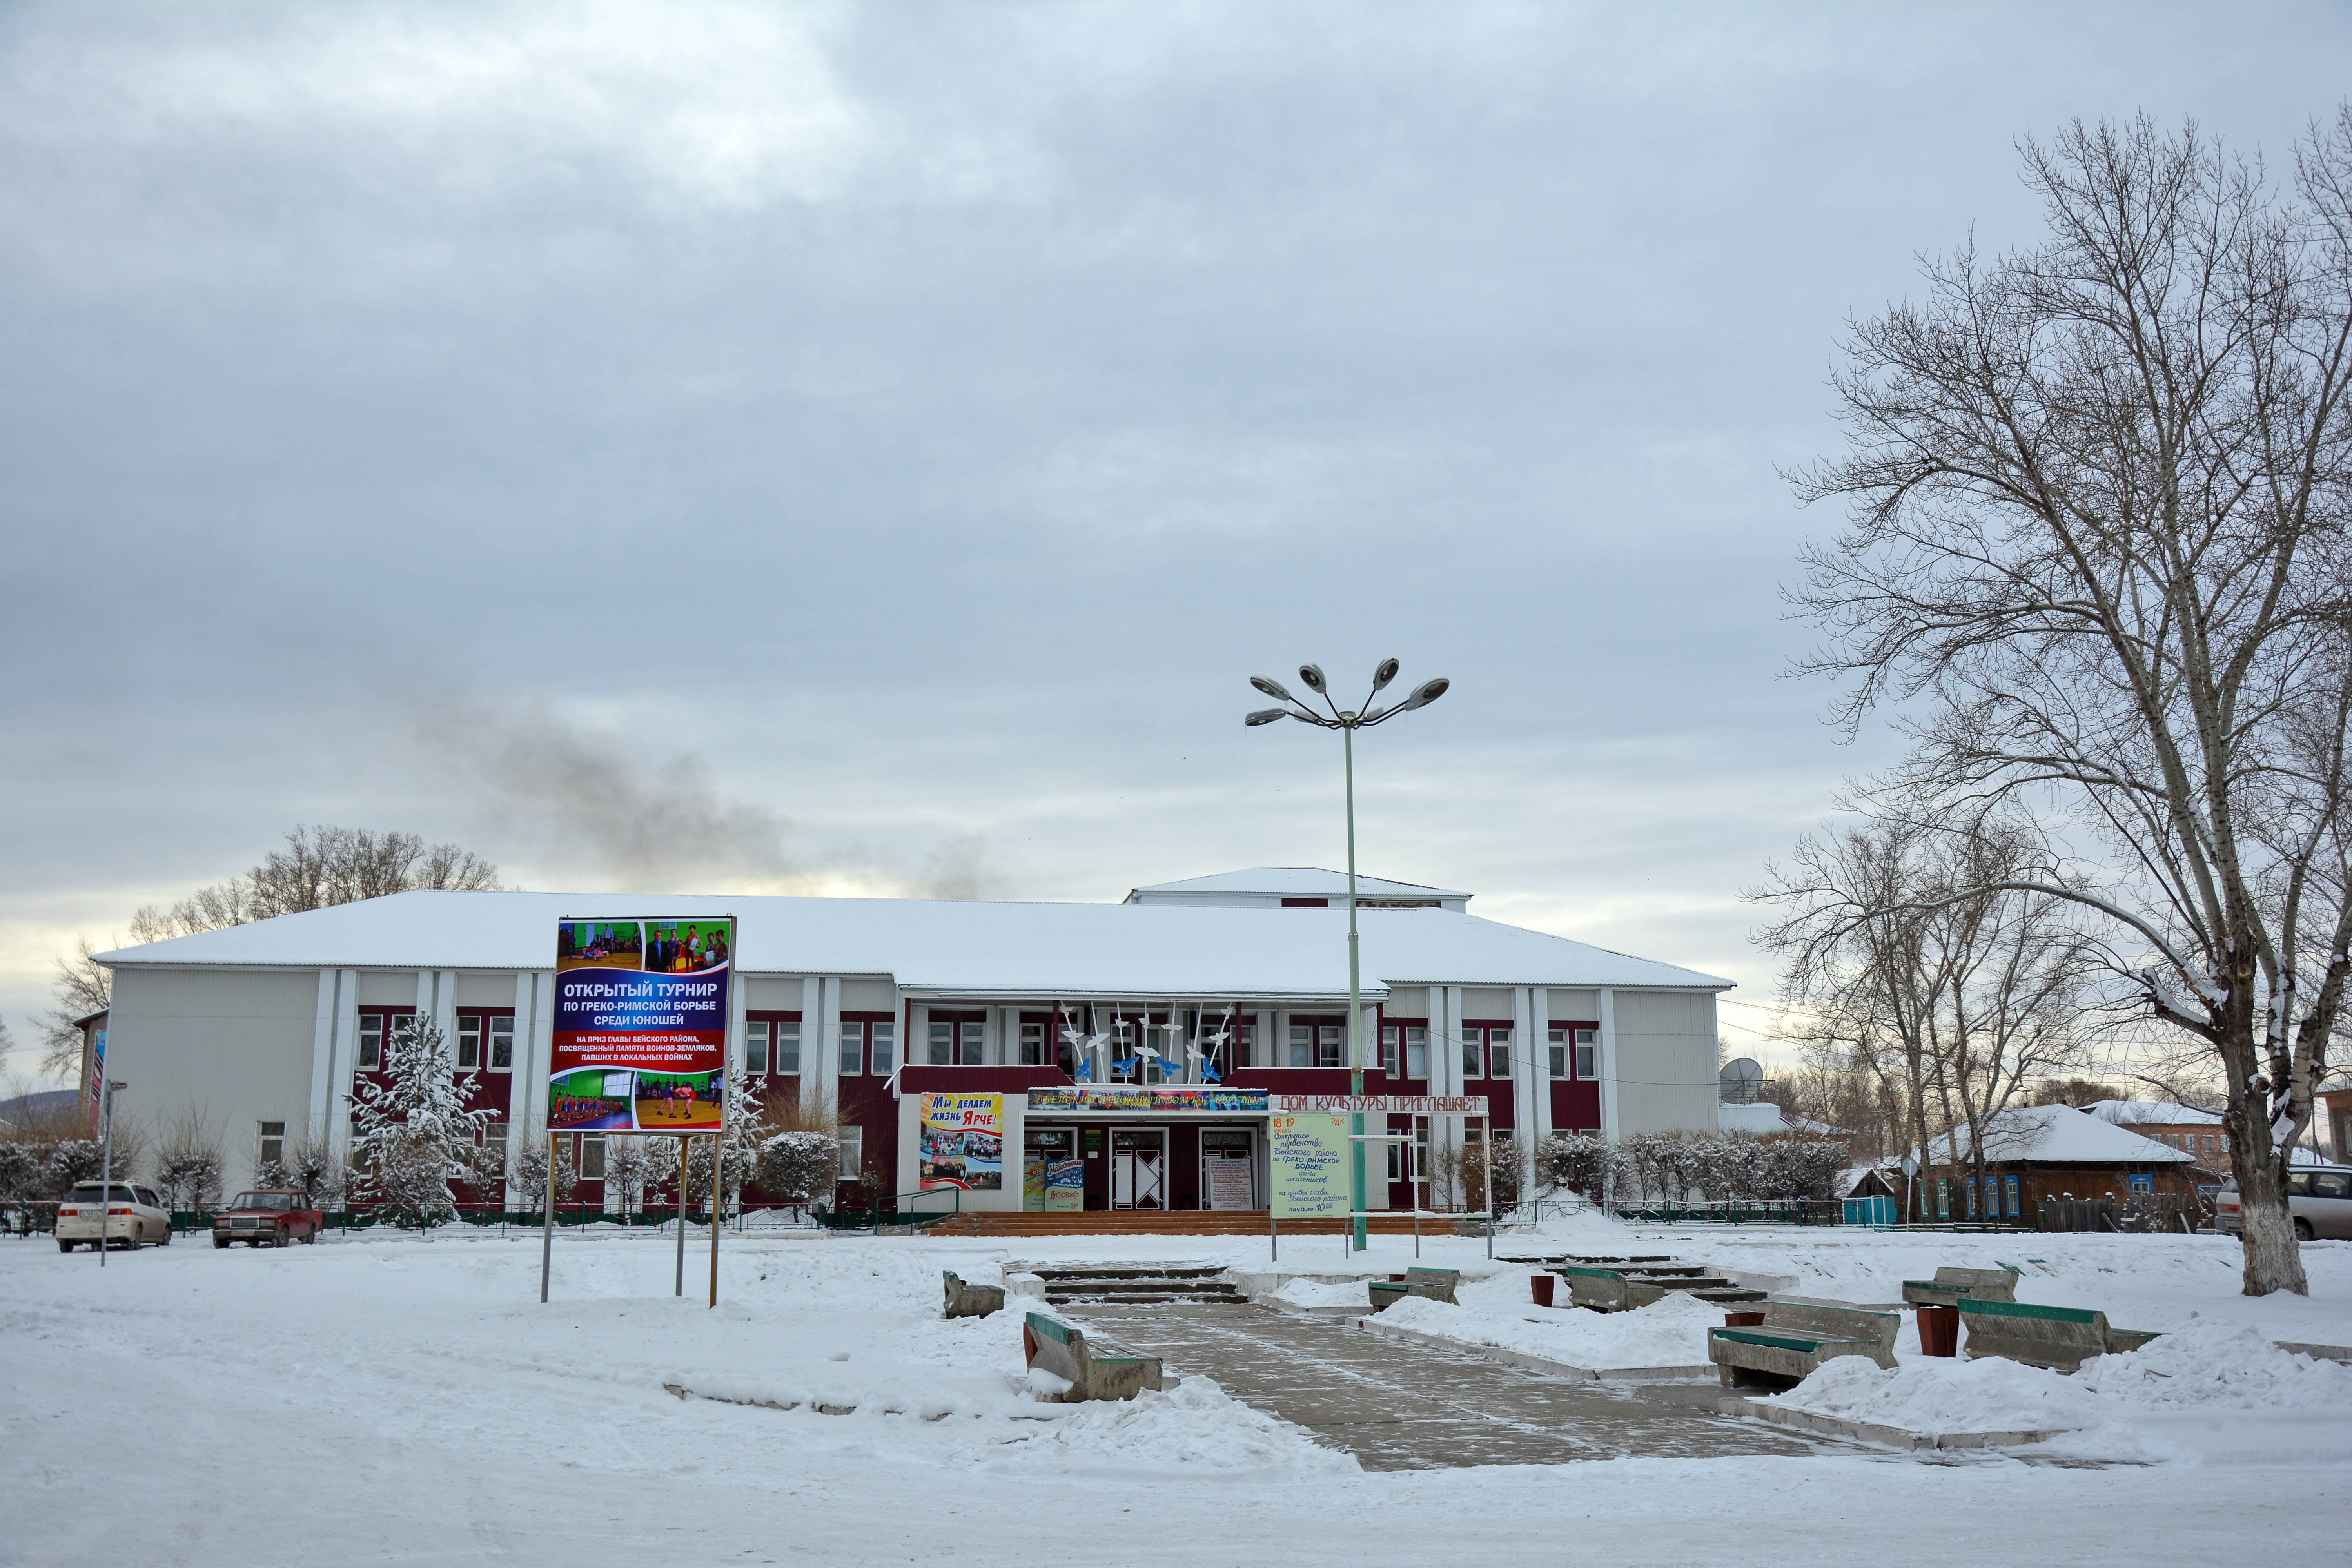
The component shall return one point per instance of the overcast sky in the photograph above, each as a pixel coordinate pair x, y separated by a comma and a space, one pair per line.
764, 449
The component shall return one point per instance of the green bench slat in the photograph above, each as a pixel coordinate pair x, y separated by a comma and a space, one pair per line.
2029, 1309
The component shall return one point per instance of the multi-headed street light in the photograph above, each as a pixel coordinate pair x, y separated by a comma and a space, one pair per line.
1363, 716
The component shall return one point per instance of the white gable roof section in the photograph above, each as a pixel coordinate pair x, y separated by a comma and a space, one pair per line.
943, 948
2058, 1134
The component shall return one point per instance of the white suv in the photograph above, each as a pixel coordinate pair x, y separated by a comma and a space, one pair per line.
131, 1215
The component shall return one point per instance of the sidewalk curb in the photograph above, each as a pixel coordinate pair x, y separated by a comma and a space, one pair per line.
1884, 1437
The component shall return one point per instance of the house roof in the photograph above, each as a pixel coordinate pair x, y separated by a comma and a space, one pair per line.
2151, 1114
1295, 882
2056, 1134
939, 947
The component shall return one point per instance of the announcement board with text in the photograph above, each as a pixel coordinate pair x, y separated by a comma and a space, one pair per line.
641, 1011
1309, 1165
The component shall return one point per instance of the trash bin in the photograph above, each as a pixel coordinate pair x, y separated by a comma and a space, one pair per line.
1543, 1284
1939, 1331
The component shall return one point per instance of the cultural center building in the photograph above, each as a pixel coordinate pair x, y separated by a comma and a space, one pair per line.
1131, 1053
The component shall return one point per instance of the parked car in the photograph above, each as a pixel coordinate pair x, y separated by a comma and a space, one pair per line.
124, 1213
267, 1217
2318, 1196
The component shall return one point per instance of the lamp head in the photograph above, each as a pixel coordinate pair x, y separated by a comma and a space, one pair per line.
1313, 675
1385, 673
1266, 716
1272, 688
1429, 692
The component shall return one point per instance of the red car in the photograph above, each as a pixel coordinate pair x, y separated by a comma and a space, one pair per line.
267, 1218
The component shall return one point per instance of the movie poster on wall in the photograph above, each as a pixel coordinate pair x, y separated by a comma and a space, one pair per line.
963, 1141
641, 1011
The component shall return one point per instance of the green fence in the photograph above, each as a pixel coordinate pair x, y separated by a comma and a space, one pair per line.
880, 1215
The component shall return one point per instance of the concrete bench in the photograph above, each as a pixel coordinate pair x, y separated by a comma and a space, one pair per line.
1607, 1290
2060, 1338
1950, 1285
1062, 1351
1798, 1335
970, 1300
1434, 1284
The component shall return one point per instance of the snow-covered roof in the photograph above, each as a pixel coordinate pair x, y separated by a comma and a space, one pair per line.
1288, 882
2151, 1114
2058, 1134
939, 947
1764, 1117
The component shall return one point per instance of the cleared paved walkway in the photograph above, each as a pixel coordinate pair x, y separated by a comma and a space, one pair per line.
1398, 1406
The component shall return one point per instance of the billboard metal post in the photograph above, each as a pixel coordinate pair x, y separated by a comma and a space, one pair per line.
716, 1162
681, 1217
547, 1224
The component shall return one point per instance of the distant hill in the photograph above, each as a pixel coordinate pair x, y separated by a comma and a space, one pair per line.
31, 1107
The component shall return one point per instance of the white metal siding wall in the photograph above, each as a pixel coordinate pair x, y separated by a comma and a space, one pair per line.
235, 1045
1664, 1066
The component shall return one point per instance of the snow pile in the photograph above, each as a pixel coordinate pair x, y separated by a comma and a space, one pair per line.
1668, 1332
2216, 1366
1192, 1428
1935, 1396
2205, 1367
1303, 1292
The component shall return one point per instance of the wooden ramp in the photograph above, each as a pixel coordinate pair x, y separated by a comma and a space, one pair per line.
1179, 1222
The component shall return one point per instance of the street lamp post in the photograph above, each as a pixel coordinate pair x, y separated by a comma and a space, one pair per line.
1348, 722
106, 1164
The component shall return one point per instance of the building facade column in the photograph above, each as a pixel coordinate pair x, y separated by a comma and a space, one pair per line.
1609, 1064
322, 1055
815, 1083
1528, 1062
344, 1067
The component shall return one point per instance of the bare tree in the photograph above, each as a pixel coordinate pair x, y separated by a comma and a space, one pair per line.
2100, 490
80, 987
1956, 1004
319, 868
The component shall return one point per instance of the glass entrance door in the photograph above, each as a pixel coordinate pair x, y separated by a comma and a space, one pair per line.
1138, 1168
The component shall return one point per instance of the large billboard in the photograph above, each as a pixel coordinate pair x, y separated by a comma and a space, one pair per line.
1308, 1161
963, 1141
641, 1016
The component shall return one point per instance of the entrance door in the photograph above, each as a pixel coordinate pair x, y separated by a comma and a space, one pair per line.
1138, 1168
1228, 1169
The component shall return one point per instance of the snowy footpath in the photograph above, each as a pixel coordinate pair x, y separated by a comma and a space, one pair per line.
401, 1400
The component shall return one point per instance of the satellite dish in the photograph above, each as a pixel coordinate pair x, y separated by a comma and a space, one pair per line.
1737, 1080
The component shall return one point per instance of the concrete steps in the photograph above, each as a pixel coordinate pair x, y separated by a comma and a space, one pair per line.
1139, 1285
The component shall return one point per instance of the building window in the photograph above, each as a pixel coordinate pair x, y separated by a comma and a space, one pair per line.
886, 1046
1248, 1036
1416, 1052
469, 1042
788, 1048
371, 1042
502, 1045
853, 1048
1556, 1051
1588, 1053
1498, 1053
1474, 1053
1033, 1045
273, 1142
1390, 1044
2009, 1186
494, 1136
592, 1156
853, 1153
755, 1047
956, 1042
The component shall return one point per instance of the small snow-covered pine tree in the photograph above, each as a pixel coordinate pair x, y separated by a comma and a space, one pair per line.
411, 1131
795, 1166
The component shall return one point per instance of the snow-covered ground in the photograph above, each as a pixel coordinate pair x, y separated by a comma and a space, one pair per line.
400, 1400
